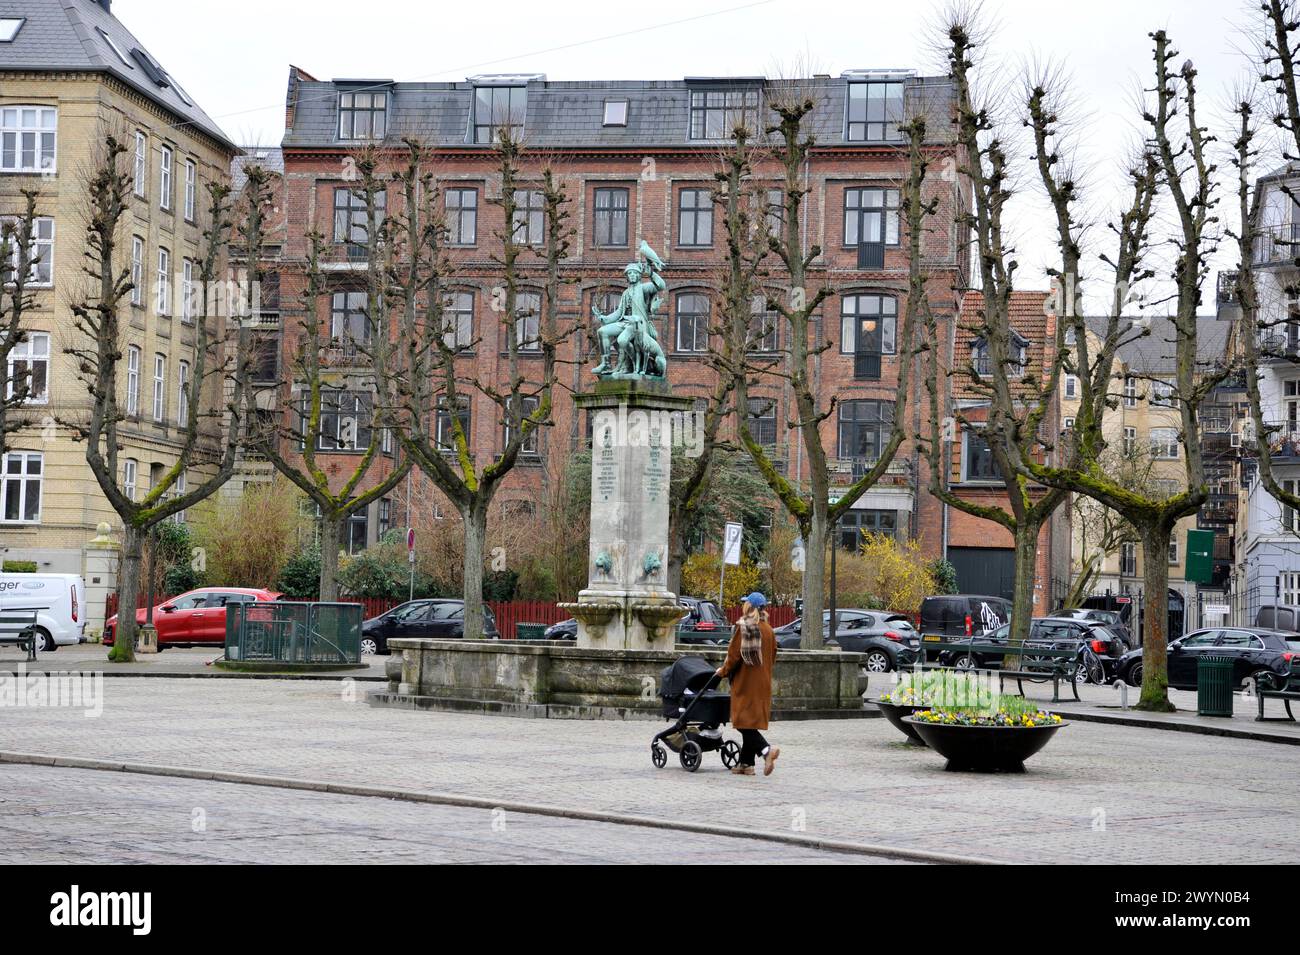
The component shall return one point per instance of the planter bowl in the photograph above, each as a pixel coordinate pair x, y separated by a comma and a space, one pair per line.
896, 713
984, 748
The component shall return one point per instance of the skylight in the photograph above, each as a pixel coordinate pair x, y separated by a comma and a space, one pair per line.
615, 112
9, 27
121, 54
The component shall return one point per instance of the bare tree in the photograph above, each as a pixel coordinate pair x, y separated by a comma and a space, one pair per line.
96, 316
19, 259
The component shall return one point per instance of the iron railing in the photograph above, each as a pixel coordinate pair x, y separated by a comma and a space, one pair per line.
1277, 244
285, 631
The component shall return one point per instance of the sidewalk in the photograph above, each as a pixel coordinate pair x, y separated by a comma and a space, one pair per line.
174, 662
1097, 794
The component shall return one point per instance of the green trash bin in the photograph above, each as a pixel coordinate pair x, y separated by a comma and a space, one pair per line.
1214, 686
530, 631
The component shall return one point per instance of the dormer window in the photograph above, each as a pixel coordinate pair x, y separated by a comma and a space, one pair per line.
875, 111
716, 113
497, 108
1018, 354
363, 114
615, 112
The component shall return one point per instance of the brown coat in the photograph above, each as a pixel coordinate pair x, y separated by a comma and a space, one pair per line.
751, 686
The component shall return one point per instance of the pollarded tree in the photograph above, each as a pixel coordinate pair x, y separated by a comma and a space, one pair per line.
97, 316
19, 262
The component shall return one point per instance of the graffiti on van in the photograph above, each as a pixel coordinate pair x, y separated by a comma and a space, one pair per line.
989, 617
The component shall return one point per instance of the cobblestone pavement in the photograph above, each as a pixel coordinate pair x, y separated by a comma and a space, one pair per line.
1097, 793
74, 816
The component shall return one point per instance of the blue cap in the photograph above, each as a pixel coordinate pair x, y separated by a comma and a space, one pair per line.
755, 599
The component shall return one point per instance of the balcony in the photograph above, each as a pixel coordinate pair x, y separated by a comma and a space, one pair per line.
1277, 245
844, 471
1226, 292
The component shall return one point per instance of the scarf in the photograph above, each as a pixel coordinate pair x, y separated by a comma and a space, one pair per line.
751, 642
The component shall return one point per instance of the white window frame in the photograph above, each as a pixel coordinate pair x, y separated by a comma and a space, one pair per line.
140, 171
162, 300
132, 380
23, 479
1162, 394
1164, 443
1128, 559
137, 270
130, 474
15, 130
27, 351
191, 188
41, 252
187, 291
1071, 386
182, 393
159, 387
1130, 391
1130, 440
177, 490
1173, 549
165, 162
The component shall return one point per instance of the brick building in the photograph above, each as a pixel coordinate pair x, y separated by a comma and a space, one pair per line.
638, 159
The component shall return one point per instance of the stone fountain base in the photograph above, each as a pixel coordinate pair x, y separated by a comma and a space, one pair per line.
562, 681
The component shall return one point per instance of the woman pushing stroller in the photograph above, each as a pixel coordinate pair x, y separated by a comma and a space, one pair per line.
749, 667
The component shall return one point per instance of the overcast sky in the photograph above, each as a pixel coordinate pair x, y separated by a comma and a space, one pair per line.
233, 55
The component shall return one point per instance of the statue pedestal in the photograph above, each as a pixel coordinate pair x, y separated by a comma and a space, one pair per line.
627, 604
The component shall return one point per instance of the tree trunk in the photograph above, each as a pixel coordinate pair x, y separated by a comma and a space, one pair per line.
1155, 580
676, 554
331, 536
474, 520
814, 581
128, 592
1022, 592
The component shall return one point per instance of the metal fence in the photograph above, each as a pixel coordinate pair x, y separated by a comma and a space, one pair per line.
294, 632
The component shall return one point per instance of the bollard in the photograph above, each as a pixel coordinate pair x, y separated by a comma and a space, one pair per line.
1123, 693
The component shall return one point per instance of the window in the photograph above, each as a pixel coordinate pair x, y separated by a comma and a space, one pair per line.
983, 361
132, 380
159, 383
137, 270
1291, 405
363, 115
870, 215
29, 369
1164, 443
1130, 441
528, 312
692, 322
695, 218
529, 217
444, 430
875, 111
462, 216
497, 107
349, 324
611, 218
774, 214
458, 320
864, 427
715, 114
165, 178
615, 112
1290, 518
40, 253
191, 188
183, 393
9, 27
978, 463
178, 490
1173, 549
764, 324
1069, 335
760, 418
23, 474
130, 469
529, 445
1162, 394
266, 358
187, 291
1067, 424
385, 516
1071, 386
139, 172
1128, 559
356, 532
867, 331
855, 524
344, 421
350, 223
163, 304
1130, 391
27, 135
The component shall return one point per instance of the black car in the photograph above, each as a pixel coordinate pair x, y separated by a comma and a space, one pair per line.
963, 615
1057, 633
444, 619
1110, 619
564, 630
1259, 655
703, 623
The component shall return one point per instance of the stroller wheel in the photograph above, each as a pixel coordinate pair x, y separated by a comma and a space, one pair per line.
658, 755
730, 753
690, 756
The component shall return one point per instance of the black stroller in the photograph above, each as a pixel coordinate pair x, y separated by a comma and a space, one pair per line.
698, 712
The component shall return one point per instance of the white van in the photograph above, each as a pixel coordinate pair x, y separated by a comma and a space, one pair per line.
61, 619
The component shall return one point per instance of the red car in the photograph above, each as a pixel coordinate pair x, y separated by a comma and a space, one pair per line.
197, 616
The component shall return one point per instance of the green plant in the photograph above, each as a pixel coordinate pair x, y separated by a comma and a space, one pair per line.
945, 576
19, 567
300, 576
953, 689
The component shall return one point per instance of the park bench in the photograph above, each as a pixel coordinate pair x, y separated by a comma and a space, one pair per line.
18, 625
1288, 691
1033, 662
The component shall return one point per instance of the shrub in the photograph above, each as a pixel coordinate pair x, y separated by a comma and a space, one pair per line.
19, 567
300, 576
700, 578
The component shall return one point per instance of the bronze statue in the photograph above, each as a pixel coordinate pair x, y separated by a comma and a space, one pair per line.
631, 326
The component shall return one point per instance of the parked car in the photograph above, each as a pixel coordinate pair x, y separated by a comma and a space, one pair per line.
1111, 619
787, 635
1058, 633
196, 617
888, 640
963, 615
1278, 617
59, 601
564, 630
444, 619
1259, 655
704, 622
